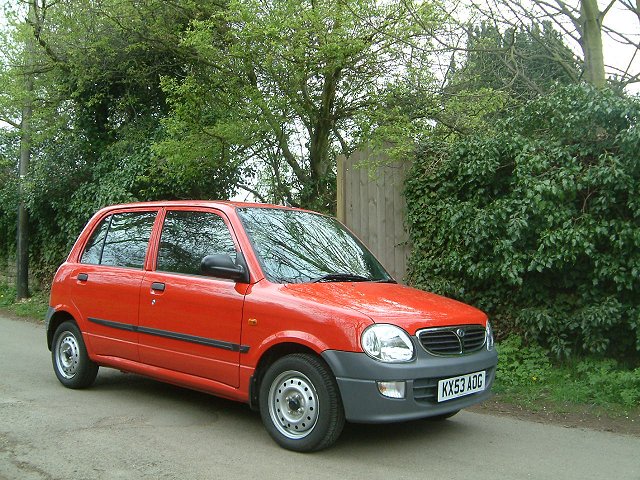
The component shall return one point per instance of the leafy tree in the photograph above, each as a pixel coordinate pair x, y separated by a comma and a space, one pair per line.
582, 22
515, 61
97, 106
286, 85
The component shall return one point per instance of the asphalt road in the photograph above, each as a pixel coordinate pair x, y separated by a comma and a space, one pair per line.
128, 427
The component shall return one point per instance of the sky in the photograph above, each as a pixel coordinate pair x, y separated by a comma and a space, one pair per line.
617, 54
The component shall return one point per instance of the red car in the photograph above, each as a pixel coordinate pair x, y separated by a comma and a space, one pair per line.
280, 308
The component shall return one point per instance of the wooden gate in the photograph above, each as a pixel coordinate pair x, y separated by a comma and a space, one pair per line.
371, 203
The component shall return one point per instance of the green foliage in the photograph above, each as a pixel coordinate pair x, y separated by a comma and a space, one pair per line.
523, 62
8, 191
32, 308
539, 223
521, 365
525, 373
600, 381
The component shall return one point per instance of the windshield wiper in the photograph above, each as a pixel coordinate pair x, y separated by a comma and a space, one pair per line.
340, 277
385, 280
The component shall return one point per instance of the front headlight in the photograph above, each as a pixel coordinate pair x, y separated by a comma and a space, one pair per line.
387, 343
489, 336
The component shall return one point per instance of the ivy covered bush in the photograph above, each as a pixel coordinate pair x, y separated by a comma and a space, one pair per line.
538, 222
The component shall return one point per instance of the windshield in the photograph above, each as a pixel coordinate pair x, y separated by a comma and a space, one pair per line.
296, 247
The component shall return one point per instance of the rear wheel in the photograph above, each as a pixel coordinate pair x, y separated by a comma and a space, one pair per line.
300, 403
72, 365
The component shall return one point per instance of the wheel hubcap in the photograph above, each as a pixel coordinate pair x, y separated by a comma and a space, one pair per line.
293, 404
68, 355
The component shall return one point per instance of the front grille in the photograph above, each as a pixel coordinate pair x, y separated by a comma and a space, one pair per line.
456, 340
425, 390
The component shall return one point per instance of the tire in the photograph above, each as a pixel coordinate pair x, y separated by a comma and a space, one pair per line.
444, 416
300, 404
72, 365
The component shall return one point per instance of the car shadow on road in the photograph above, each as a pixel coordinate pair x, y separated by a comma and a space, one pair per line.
155, 394
203, 409
382, 435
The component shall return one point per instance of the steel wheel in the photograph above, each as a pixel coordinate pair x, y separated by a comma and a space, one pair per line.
300, 403
67, 355
293, 404
71, 363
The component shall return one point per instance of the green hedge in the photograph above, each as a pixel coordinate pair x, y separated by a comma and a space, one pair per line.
539, 223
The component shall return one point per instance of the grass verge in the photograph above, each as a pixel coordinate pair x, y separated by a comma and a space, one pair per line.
526, 376
34, 307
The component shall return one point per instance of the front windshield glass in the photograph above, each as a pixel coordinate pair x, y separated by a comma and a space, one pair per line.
297, 247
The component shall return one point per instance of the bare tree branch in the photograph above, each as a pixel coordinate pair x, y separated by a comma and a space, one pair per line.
576, 20
10, 122
607, 8
252, 191
36, 24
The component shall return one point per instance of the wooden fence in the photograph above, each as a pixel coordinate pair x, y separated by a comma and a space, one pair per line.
371, 203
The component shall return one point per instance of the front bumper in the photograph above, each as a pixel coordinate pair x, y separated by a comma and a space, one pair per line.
357, 374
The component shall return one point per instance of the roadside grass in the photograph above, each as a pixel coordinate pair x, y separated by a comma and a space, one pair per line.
34, 307
526, 376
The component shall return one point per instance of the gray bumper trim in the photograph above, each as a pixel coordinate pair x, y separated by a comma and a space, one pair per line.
47, 317
357, 374
47, 321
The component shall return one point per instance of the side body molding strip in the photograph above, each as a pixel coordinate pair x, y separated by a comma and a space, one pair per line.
234, 347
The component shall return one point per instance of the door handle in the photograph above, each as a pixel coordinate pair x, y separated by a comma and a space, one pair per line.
83, 277
157, 286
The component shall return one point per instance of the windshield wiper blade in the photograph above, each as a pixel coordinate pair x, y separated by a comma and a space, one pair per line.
340, 277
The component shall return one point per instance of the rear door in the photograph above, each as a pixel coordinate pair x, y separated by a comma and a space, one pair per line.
107, 281
189, 322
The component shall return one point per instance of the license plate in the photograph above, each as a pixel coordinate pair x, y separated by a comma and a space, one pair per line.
455, 387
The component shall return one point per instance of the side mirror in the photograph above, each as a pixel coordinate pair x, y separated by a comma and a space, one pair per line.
222, 266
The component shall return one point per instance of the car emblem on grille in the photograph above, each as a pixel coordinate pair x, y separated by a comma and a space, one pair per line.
460, 332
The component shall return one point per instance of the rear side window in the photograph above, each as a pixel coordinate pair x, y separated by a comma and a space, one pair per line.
121, 240
188, 237
93, 250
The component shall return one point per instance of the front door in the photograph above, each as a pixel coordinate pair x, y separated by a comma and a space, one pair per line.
190, 322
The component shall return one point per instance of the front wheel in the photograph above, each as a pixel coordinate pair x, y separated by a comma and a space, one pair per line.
72, 365
300, 403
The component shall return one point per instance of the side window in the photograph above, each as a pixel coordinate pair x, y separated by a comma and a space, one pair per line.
127, 239
93, 250
188, 237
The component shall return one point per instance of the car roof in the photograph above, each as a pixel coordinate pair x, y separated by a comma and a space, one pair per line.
219, 204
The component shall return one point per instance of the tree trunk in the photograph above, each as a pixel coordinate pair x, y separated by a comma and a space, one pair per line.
22, 244
22, 240
591, 20
319, 159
